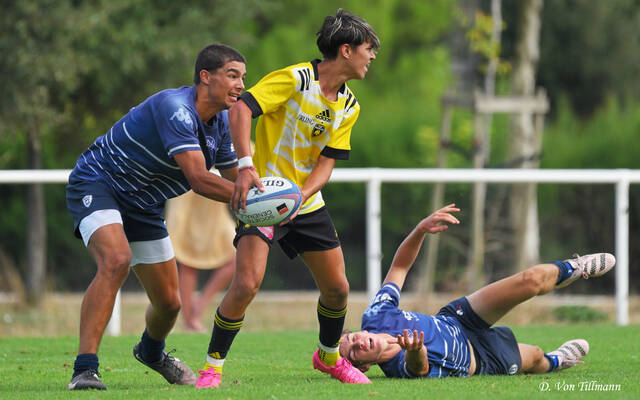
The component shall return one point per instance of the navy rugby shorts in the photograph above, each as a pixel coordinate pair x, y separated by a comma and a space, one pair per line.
496, 349
86, 197
306, 232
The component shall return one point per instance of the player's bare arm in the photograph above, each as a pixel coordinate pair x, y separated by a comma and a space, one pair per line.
230, 174
408, 251
240, 129
415, 351
201, 180
318, 177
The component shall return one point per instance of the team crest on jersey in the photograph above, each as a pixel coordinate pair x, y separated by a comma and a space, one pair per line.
86, 200
318, 130
182, 116
211, 142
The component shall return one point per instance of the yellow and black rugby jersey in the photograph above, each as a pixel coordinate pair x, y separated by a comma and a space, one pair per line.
298, 123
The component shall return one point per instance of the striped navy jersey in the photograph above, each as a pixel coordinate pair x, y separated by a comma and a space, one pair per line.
447, 347
135, 157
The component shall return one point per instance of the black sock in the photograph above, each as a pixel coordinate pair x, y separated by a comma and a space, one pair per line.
331, 324
84, 362
224, 331
150, 349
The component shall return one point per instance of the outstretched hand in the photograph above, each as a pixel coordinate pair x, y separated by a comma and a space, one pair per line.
437, 222
413, 343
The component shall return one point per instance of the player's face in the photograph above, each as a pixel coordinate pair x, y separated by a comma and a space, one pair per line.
362, 347
227, 83
361, 58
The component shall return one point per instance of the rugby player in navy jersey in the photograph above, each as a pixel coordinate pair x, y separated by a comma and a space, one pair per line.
160, 149
459, 340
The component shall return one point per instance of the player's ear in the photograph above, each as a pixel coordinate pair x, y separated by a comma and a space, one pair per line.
345, 50
205, 76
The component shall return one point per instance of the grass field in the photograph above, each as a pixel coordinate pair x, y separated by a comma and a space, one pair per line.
278, 366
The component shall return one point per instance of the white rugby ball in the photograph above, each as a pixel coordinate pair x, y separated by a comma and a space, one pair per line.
280, 199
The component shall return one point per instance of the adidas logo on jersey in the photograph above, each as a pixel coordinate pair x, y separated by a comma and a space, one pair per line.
324, 116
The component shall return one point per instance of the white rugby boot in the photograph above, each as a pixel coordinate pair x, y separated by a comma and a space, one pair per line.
571, 353
591, 265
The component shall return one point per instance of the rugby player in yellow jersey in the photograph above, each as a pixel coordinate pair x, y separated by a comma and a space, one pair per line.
306, 115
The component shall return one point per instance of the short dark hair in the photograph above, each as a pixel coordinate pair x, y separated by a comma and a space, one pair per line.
215, 56
342, 28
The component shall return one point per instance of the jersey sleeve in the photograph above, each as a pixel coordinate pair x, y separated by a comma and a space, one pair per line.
177, 126
388, 295
226, 155
270, 92
339, 145
385, 302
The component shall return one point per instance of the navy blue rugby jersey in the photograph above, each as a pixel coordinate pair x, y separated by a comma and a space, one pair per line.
446, 342
136, 155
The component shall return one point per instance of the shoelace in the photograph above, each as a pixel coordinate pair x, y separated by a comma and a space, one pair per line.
571, 358
580, 266
169, 361
208, 373
94, 372
347, 369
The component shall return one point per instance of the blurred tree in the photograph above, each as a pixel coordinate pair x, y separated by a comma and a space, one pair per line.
76, 66
589, 51
36, 55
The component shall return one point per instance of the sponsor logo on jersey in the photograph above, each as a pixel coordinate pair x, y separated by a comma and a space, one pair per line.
306, 119
513, 369
459, 311
182, 116
211, 142
324, 116
86, 200
318, 129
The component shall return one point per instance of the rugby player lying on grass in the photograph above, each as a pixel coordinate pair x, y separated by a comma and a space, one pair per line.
459, 340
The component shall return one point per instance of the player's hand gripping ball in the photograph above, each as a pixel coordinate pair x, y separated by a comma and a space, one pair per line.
280, 200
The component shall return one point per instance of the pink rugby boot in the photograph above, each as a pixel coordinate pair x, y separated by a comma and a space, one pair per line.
207, 379
343, 371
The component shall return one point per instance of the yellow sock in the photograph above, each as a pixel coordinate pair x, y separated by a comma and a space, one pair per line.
328, 359
216, 363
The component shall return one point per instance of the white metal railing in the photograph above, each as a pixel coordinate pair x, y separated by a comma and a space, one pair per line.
374, 177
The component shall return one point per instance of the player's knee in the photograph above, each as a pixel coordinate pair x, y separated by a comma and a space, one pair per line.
537, 354
169, 307
247, 287
531, 281
337, 292
115, 265
173, 309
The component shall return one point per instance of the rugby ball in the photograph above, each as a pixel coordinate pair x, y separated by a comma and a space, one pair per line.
280, 199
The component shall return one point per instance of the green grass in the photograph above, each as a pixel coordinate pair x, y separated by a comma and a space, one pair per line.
278, 366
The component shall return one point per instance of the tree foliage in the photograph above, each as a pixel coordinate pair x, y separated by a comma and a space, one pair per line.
76, 66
